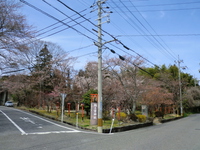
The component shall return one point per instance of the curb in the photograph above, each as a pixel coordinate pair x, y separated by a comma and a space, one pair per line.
115, 129
126, 128
172, 119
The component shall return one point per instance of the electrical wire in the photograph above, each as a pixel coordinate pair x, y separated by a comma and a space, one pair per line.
76, 12
131, 39
70, 17
62, 20
168, 51
135, 35
124, 59
80, 48
175, 9
157, 42
86, 18
94, 24
138, 29
153, 5
86, 54
129, 53
47, 14
58, 27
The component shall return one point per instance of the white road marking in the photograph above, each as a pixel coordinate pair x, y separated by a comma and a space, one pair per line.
53, 132
40, 133
48, 121
20, 129
27, 120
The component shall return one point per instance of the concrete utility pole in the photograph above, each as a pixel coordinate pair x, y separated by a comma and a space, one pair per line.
100, 122
100, 44
179, 77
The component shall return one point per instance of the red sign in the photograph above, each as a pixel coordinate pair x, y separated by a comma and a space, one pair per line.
94, 98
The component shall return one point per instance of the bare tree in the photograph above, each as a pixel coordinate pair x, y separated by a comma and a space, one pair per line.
125, 72
191, 98
14, 31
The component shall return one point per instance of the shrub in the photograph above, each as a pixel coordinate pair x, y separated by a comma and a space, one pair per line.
159, 114
122, 115
141, 118
133, 117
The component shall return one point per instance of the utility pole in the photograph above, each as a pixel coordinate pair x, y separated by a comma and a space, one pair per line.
179, 77
99, 44
100, 121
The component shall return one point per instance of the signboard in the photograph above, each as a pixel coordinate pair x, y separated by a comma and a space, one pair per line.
145, 110
63, 95
94, 109
94, 98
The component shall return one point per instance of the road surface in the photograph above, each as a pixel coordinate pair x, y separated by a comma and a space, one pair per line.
20, 130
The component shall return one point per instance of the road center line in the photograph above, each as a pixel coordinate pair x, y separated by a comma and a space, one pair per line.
20, 129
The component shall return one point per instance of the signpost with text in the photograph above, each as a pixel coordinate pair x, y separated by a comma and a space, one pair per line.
94, 109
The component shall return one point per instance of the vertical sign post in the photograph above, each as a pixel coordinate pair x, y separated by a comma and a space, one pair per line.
63, 101
94, 109
82, 105
145, 110
68, 109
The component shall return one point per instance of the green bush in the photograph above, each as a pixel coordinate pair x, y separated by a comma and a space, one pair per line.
141, 118
123, 115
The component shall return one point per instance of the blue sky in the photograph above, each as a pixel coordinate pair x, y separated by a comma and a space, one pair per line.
158, 30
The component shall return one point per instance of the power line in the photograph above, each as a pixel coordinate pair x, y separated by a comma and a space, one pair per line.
156, 44
124, 59
172, 9
80, 48
62, 20
58, 26
86, 54
79, 31
50, 30
88, 20
159, 43
169, 4
45, 13
132, 51
131, 22
122, 31
84, 17
193, 34
69, 17
155, 33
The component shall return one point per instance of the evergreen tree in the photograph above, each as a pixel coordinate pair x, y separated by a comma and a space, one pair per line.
43, 69
87, 100
44, 60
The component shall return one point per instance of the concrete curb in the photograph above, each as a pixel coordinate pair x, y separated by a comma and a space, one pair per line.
130, 127
172, 119
115, 129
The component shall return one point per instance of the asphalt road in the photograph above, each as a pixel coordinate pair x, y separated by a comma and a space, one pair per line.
20, 130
